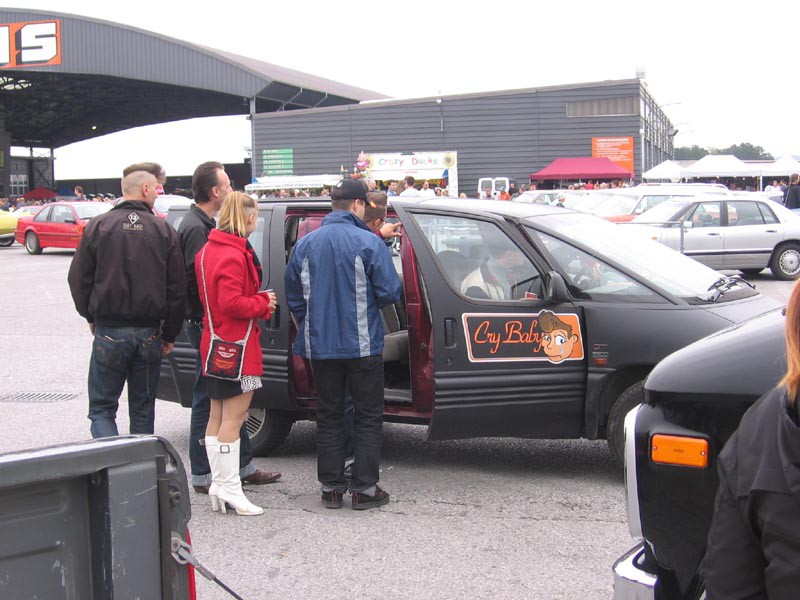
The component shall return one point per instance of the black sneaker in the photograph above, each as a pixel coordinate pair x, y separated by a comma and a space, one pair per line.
332, 499
361, 501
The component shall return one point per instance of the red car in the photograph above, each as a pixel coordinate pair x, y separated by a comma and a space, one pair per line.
57, 225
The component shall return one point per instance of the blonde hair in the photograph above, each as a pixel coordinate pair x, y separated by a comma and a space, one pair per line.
234, 212
791, 381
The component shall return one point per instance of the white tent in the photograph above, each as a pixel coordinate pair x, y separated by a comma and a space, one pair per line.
721, 165
668, 169
784, 166
288, 182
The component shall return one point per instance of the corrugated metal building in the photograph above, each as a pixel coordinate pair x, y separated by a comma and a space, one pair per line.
509, 133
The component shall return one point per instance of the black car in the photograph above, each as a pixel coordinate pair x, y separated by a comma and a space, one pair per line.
517, 320
695, 399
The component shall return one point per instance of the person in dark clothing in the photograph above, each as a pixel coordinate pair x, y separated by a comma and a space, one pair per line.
210, 186
128, 281
337, 279
792, 198
754, 542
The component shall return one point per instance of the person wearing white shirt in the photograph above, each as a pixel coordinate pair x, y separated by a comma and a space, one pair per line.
427, 191
410, 191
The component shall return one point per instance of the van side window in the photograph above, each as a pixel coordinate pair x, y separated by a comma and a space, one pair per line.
479, 260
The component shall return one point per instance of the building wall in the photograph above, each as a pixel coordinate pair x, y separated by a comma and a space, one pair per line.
496, 134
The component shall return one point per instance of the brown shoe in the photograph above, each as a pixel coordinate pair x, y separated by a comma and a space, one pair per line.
261, 477
201, 489
361, 501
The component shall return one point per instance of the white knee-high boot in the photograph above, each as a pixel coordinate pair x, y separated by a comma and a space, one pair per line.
212, 452
229, 488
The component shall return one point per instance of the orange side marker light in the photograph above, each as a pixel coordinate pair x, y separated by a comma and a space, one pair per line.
678, 450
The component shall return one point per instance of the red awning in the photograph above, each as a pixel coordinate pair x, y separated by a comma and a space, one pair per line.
582, 168
39, 193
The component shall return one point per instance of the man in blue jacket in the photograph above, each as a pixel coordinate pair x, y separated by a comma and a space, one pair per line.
337, 280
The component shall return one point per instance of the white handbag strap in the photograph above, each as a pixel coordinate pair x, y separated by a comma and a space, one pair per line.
208, 304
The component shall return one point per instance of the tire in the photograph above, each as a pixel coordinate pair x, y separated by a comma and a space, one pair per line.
627, 400
5, 243
785, 262
750, 272
32, 244
268, 429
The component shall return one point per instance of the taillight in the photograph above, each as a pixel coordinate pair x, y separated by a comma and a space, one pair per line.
679, 450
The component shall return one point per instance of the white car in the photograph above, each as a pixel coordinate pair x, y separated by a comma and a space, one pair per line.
739, 231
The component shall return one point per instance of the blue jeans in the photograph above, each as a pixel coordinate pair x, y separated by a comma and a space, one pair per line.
201, 408
121, 354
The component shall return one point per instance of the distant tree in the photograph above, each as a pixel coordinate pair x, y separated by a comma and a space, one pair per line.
745, 151
690, 153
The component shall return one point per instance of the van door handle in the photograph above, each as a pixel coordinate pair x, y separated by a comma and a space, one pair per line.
711, 233
449, 333
772, 231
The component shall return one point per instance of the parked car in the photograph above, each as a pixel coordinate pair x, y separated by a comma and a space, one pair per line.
694, 400
587, 310
8, 225
166, 201
624, 204
549, 197
27, 211
740, 231
57, 225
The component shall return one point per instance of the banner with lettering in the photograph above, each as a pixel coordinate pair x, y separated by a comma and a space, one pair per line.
544, 336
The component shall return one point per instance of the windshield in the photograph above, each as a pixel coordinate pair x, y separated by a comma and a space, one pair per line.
88, 210
616, 204
651, 262
585, 202
664, 212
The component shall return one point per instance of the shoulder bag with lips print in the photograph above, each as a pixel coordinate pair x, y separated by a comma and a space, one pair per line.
225, 359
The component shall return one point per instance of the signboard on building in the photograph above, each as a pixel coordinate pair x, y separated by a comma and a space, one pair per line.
30, 44
277, 161
436, 166
618, 150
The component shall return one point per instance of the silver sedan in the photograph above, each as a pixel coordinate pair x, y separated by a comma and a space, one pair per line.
742, 231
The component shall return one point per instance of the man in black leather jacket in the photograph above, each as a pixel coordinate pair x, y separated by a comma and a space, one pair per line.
127, 280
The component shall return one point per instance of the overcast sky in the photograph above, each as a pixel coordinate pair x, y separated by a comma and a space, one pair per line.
723, 73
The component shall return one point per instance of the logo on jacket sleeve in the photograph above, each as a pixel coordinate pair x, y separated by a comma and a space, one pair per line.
133, 224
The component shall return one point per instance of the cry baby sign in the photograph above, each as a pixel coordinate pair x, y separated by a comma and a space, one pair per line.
544, 336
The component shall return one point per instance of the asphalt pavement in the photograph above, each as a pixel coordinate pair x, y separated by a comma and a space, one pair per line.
485, 518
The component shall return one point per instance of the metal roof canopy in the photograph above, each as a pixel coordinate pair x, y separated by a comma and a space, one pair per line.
114, 77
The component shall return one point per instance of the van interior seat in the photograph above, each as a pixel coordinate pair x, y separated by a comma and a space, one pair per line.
395, 340
456, 265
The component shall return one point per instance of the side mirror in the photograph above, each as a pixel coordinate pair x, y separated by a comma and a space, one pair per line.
555, 288
688, 224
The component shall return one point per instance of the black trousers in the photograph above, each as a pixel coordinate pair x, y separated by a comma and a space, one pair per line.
365, 376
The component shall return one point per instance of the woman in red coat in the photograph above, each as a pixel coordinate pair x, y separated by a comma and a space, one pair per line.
229, 275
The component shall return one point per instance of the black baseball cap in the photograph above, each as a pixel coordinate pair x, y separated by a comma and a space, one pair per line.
349, 189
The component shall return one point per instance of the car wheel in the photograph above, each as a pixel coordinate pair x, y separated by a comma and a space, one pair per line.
785, 263
630, 398
5, 243
267, 429
32, 244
